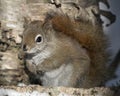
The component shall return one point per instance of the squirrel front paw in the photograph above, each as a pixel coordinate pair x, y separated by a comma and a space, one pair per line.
21, 55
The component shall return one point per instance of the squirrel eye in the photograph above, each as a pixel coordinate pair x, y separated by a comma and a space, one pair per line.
38, 39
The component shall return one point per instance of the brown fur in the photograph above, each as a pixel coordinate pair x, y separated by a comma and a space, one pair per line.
90, 37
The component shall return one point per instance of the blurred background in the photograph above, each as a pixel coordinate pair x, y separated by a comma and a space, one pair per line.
113, 32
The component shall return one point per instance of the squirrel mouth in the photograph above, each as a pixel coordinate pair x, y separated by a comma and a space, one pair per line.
29, 56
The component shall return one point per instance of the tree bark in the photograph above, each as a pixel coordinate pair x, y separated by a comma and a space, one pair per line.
12, 17
56, 91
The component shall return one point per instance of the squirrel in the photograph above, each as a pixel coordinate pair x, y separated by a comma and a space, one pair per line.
63, 52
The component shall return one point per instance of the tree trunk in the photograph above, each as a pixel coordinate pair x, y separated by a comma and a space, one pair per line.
12, 17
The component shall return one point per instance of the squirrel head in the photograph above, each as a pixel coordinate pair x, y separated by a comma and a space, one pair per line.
36, 37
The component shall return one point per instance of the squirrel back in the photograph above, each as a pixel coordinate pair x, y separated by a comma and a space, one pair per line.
90, 37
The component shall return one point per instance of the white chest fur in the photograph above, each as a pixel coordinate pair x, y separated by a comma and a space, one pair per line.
58, 77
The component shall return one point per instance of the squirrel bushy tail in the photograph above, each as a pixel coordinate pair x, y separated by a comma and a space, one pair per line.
90, 37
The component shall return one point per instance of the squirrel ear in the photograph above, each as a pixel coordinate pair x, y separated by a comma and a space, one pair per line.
48, 25
27, 20
48, 20
52, 19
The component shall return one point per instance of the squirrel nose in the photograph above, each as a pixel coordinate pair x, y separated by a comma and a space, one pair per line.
24, 47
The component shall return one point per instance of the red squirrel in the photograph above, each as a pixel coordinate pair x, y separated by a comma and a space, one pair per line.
67, 53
